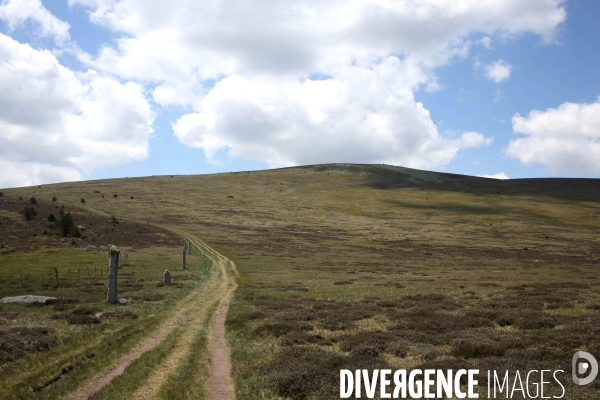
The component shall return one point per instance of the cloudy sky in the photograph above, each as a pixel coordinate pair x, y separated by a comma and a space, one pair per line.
112, 88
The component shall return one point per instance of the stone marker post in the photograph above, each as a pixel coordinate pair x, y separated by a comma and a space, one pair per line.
183, 260
113, 268
167, 277
56, 276
178, 241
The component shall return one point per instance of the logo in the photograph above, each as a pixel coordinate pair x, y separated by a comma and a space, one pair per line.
582, 367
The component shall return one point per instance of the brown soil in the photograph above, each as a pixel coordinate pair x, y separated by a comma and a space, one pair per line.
220, 386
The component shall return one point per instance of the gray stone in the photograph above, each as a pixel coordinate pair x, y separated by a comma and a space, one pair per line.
167, 277
113, 269
26, 299
123, 301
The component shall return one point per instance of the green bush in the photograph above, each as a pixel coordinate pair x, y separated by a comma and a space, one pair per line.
29, 213
1, 194
82, 200
54, 198
114, 220
115, 195
66, 226
51, 218
33, 200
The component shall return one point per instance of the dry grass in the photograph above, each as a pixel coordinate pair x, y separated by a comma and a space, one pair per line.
364, 266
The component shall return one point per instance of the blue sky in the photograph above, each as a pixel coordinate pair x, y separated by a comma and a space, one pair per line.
112, 88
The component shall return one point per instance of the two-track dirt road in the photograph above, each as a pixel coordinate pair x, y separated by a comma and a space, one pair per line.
206, 305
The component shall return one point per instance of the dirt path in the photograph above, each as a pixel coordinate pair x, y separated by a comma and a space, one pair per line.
192, 311
219, 385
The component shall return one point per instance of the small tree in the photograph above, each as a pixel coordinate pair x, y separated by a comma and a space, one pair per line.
61, 212
66, 226
115, 195
54, 198
29, 213
82, 200
114, 220
1, 194
33, 201
51, 218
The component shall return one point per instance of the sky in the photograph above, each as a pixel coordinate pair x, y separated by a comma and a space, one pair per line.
93, 89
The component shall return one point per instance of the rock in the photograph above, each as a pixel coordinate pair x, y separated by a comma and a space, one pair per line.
26, 299
123, 301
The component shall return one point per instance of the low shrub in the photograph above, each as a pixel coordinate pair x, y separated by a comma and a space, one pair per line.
29, 213
17, 342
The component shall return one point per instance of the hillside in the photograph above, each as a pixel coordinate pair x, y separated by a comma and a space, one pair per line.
363, 266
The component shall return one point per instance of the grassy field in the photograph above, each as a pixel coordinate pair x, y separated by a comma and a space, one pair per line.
346, 266
46, 350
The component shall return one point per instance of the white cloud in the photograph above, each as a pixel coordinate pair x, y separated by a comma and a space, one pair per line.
244, 68
364, 115
17, 12
499, 175
498, 71
566, 138
486, 42
57, 125
193, 41
265, 108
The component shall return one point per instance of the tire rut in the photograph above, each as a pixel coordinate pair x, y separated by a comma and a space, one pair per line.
192, 311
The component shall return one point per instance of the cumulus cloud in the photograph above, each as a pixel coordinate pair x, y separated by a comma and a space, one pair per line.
566, 138
265, 106
498, 71
187, 39
56, 125
283, 82
499, 175
17, 12
363, 115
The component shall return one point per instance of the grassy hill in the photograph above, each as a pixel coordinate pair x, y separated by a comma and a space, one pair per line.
361, 266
